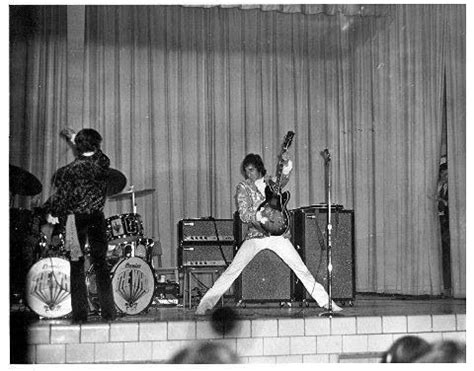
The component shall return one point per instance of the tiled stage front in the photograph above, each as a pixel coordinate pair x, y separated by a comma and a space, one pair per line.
264, 333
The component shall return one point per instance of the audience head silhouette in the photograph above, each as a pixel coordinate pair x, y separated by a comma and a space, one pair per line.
447, 351
405, 350
205, 353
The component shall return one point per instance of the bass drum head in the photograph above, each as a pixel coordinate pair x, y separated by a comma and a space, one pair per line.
133, 285
48, 288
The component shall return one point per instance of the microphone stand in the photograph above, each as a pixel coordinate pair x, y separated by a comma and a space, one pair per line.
327, 162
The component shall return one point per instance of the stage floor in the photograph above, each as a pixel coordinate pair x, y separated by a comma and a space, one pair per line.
263, 333
363, 305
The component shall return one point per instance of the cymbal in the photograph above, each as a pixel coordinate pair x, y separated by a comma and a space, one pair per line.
23, 182
116, 182
137, 193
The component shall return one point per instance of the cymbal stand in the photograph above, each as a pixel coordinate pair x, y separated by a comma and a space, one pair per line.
327, 161
134, 211
134, 202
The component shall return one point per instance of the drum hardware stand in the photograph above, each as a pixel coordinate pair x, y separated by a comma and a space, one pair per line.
329, 312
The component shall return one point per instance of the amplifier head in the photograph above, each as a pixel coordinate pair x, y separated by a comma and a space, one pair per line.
206, 230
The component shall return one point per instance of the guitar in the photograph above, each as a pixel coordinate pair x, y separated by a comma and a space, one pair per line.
274, 206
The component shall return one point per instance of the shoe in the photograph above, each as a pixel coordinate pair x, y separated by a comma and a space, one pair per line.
335, 308
202, 310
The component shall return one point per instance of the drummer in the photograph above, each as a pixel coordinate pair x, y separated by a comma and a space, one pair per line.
78, 203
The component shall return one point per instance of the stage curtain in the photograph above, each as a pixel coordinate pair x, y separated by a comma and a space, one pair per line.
38, 93
182, 94
455, 49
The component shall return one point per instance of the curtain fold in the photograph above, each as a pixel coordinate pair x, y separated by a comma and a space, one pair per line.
455, 54
182, 94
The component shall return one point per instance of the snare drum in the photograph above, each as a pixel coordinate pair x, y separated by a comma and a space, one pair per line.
133, 285
123, 226
48, 290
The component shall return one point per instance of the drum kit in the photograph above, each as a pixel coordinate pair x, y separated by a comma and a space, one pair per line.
132, 257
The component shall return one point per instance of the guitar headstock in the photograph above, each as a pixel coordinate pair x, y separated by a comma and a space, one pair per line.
287, 141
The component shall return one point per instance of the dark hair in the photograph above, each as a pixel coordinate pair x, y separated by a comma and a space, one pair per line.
255, 160
443, 166
405, 350
205, 353
87, 140
446, 351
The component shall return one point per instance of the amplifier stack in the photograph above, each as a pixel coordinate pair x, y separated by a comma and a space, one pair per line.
212, 243
205, 242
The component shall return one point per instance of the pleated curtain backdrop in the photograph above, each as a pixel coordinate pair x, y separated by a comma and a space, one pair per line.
182, 94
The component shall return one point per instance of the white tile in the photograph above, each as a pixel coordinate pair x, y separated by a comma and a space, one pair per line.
204, 330
153, 331
455, 335
380, 343
164, 350
343, 326
182, 330
108, 352
65, 334
444, 322
99, 333
276, 346
316, 358
124, 332
291, 327
261, 360
422, 323
79, 353
429, 336
289, 359
51, 353
137, 351
329, 344
317, 326
38, 335
369, 325
264, 328
461, 322
303, 345
394, 324
250, 347
354, 343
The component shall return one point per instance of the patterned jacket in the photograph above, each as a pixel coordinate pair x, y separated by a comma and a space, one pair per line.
248, 198
81, 186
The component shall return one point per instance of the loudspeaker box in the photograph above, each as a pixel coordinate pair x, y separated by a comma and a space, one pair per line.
309, 234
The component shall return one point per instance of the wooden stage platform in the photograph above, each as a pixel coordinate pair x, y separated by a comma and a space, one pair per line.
264, 333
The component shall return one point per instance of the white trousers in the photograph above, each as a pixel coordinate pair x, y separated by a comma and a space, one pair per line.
280, 246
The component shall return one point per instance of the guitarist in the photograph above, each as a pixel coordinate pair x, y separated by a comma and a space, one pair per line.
249, 196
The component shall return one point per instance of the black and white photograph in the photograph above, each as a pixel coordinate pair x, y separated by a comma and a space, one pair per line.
235, 183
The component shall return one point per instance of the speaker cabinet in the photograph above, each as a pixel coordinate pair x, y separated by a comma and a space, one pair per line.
266, 278
309, 231
205, 242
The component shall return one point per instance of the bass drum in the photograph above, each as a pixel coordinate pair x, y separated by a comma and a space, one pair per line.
48, 288
133, 285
